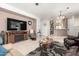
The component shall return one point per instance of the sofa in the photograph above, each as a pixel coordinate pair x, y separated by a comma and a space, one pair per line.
72, 45
71, 41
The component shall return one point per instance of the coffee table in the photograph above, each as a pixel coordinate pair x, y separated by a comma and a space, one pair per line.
45, 44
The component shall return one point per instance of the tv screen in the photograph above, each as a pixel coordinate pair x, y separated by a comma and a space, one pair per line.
14, 24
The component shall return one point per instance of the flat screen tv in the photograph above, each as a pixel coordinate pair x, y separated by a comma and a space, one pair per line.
14, 24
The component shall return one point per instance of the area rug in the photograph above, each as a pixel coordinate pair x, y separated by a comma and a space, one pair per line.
57, 50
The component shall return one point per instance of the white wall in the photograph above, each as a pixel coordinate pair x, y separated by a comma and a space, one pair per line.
11, 8
73, 26
45, 27
37, 26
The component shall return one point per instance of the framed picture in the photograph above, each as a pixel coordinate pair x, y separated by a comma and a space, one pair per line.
30, 22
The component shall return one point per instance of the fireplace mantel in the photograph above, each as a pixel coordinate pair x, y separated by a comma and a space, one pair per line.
11, 36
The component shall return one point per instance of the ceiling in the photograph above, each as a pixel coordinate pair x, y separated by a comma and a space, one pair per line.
47, 10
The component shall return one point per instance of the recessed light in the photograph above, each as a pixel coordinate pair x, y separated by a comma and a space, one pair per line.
36, 4
67, 7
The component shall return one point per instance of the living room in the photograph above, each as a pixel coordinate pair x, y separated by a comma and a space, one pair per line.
53, 31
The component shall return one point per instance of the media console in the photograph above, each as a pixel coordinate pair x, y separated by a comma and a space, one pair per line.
15, 36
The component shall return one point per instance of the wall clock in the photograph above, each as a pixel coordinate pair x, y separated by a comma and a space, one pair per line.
30, 22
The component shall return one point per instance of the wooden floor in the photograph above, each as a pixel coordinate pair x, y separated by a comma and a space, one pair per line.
29, 45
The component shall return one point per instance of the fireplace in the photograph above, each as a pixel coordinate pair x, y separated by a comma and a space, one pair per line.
12, 36
19, 38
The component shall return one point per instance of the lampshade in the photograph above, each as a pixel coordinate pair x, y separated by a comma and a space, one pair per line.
31, 31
